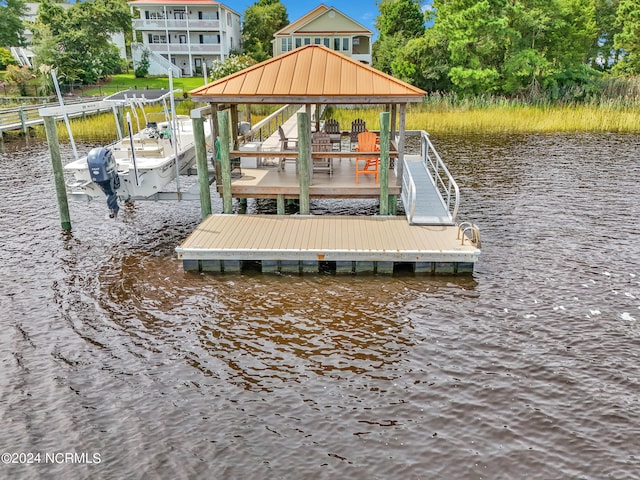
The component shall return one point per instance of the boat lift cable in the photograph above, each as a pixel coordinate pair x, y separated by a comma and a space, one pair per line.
64, 113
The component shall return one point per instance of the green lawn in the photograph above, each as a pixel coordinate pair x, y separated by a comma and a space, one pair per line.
125, 81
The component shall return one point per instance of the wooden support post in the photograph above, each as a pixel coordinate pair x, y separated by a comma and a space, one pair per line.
280, 204
401, 140
394, 120
247, 113
23, 121
58, 174
384, 163
304, 161
225, 162
203, 166
234, 126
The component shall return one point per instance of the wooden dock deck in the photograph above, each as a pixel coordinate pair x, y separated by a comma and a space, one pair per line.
268, 181
313, 244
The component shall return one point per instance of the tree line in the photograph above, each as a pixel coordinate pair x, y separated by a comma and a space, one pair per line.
509, 47
504, 47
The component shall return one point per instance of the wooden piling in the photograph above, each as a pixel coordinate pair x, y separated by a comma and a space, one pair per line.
384, 163
58, 175
225, 162
304, 161
203, 167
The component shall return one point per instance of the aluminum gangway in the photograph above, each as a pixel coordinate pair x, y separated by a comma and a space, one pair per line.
429, 193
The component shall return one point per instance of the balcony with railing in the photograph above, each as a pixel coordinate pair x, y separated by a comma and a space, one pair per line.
172, 24
177, 48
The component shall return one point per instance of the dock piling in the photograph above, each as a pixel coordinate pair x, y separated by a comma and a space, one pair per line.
384, 163
58, 175
203, 167
304, 161
225, 162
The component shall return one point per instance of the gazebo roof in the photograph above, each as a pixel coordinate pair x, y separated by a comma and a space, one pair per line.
310, 74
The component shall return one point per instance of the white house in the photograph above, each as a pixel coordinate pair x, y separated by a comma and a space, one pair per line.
183, 35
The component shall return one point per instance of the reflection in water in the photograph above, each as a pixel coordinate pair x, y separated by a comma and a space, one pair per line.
526, 370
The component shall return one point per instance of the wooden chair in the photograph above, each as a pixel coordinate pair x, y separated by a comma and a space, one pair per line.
367, 142
332, 127
321, 142
357, 126
287, 144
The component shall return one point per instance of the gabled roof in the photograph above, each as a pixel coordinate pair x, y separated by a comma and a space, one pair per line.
310, 74
317, 12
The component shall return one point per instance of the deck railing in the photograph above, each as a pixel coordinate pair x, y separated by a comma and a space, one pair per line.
439, 173
267, 126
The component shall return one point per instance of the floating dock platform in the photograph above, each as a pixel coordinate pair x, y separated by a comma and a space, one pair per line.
325, 244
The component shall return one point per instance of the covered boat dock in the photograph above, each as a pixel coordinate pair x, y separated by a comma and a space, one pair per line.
428, 240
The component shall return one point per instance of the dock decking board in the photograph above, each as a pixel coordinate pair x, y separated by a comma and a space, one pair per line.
368, 242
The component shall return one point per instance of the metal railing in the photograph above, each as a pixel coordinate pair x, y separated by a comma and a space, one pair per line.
408, 193
267, 126
439, 173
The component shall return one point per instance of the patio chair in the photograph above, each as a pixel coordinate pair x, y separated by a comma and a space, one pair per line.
287, 144
367, 142
357, 126
332, 127
321, 142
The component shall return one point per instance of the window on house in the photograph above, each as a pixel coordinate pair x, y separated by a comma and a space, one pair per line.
307, 41
298, 42
326, 42
209, 39
228, 19
157, 38
345, 44
286, 44
317, 41
179, 14
336, 44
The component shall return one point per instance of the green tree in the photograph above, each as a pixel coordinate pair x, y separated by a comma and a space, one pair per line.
628, 39
399, 21
261, 21
76, 42
18, 78
11, 26
516, 46
6, 58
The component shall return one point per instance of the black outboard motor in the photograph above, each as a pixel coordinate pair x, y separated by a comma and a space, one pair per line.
104, 172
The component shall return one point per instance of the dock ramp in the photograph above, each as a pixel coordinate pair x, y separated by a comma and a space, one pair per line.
429, 193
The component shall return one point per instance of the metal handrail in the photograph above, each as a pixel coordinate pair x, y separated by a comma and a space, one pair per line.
466, 227
436, 168
268, 125
409, 193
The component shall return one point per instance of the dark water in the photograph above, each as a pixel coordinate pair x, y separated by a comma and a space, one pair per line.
529, 369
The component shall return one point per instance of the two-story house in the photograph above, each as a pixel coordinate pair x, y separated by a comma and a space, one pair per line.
183, 35
329, 27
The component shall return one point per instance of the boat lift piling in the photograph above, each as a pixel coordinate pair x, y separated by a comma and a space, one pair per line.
58, 175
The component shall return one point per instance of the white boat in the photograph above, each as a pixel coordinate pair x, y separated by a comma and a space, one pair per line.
145, 162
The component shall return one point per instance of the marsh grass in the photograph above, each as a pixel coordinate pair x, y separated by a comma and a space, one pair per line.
102, 128
505, 118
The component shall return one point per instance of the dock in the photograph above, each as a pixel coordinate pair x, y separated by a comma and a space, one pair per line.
331, 244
